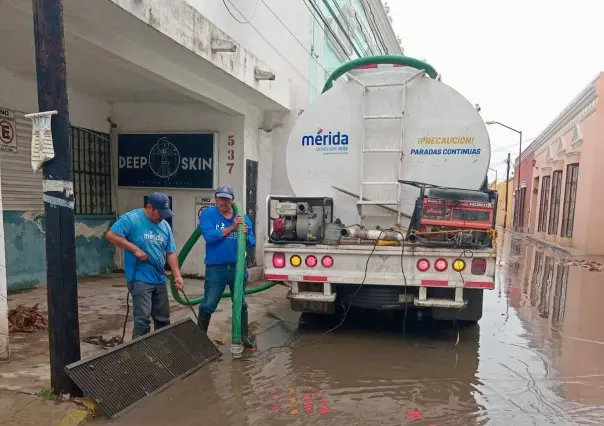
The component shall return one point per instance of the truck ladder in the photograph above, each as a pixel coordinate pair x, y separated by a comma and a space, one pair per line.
381, 151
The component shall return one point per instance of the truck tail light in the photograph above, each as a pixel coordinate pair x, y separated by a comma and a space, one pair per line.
479, 266
459, 265
311, 261
279, 260
423, 265
295, 261
441, 265
327, 261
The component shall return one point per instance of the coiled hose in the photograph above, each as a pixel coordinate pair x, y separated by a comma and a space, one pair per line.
238, 290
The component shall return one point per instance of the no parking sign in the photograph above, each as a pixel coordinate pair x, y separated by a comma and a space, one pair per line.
202, 203
8, 130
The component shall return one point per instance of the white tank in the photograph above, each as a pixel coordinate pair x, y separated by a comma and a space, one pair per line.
444, 142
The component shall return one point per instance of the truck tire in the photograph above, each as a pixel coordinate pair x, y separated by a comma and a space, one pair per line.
472, 313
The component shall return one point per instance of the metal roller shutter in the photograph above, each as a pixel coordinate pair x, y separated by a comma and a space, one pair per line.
21, 188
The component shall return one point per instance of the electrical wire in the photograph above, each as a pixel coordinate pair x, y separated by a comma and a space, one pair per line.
351, 30
376, 25
372, 28
235, 18
351, 298
293, 35
335, 18
276, 50
326, 27
125, 319
290, 345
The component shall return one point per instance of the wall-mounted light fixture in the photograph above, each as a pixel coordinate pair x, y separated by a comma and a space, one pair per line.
263, 75
220, 45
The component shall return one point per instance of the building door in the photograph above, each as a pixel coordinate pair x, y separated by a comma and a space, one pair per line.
251, 202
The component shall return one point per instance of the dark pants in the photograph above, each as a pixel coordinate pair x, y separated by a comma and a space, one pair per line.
217, 278
149, 300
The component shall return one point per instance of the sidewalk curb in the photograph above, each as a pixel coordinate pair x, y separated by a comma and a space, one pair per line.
86, 411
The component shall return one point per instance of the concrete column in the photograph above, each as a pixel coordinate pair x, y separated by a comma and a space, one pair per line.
4, 353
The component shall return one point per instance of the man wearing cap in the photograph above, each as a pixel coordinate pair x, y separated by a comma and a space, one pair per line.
148, 242
218, 226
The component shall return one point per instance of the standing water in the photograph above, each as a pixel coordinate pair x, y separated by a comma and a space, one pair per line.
534, 359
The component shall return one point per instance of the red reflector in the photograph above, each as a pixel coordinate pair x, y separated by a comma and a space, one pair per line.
477, 284
479, 266
435, 283
315, 279
311, 261
423, 265
278, 260
327, 261
441, 265
276, 277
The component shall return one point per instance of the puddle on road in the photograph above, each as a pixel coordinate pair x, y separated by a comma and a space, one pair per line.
536, 358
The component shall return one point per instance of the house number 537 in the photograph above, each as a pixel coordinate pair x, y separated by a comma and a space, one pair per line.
231, 153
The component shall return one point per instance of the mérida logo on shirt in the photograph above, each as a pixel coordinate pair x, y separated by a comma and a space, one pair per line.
154, 237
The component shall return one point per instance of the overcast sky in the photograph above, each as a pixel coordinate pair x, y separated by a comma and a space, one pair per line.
522, 61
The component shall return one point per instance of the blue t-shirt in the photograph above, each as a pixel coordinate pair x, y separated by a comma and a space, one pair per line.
155, 239
222, 250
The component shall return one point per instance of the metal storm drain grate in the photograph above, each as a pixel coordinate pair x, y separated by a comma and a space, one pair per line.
122, 376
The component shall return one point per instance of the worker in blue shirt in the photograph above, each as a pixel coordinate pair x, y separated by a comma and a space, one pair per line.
148, 242
218, 226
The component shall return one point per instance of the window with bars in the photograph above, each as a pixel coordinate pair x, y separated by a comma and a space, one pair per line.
570, 197
544, 203
554, 213
91, 157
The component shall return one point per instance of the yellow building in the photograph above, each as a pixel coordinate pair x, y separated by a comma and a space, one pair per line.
500, 188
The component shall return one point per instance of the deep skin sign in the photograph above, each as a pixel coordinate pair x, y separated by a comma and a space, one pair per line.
160, 160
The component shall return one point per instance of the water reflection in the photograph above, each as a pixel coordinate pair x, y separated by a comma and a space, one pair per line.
535, 359
561, 311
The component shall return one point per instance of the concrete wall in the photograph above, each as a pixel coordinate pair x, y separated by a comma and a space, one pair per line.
579, 143
24, 229
184, 118
264, 26
588, 232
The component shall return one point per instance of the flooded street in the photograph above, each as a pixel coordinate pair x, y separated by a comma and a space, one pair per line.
535, 358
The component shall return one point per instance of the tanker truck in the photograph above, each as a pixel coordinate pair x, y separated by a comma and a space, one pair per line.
390, 208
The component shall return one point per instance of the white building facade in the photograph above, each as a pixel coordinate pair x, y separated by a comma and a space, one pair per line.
178, 96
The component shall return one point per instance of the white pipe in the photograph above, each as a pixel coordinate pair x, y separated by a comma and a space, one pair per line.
4, 353
373, 234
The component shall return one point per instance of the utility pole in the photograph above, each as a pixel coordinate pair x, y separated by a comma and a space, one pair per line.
507, 184
63, 324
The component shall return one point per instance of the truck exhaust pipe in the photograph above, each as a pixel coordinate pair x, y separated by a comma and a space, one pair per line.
412, 237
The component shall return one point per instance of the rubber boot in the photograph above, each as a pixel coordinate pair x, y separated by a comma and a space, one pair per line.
204, 322
248, 344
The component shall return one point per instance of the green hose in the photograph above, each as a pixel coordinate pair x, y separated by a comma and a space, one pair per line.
374, 60
186, 249
238, 285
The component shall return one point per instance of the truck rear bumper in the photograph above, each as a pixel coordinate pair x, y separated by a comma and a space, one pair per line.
328, 296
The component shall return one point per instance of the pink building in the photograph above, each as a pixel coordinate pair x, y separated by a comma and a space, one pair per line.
560, 171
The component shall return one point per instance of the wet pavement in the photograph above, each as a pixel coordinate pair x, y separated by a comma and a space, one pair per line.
535, 358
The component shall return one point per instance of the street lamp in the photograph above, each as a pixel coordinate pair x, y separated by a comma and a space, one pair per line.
494, 170
519, 155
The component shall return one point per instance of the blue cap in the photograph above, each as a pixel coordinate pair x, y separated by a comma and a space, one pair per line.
161, 202
225, 192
